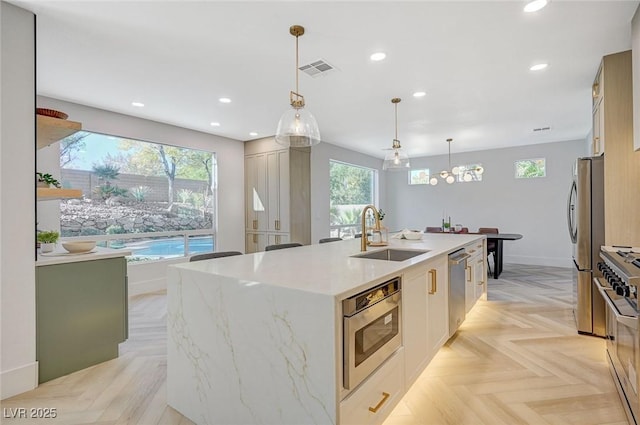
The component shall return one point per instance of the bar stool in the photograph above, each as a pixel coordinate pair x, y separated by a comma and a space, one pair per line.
282, 246
209, 255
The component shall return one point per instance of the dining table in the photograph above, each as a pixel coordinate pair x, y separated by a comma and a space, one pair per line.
499, 239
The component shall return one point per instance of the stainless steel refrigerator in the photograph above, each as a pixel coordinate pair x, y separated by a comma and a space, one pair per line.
585, 213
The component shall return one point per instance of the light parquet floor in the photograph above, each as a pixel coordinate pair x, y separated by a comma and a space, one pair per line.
517, 359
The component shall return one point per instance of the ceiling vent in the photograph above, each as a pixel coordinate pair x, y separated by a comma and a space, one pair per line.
541, 129
317, 68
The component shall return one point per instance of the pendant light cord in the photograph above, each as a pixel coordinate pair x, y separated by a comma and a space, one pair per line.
297, 95
396, 106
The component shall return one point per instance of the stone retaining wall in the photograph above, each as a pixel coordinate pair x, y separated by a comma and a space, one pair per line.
88, 217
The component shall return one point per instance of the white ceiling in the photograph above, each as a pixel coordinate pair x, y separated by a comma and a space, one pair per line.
471, 58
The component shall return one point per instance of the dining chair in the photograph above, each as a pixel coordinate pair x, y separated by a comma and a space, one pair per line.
433, 230
491, 245
282, 246
325, 240
209, 255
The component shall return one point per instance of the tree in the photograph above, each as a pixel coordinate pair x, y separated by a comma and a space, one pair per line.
169, 163
198, 166
70, 146
349, 185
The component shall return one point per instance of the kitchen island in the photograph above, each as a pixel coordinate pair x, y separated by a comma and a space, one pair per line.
258, 338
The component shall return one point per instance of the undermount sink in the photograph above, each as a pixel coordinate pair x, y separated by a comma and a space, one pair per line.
390, 254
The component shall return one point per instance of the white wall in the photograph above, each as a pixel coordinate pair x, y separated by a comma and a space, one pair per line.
536, 208
320, 156
230, 158
17, 201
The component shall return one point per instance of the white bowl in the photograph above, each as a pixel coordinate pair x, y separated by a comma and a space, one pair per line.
76, 247
412, 235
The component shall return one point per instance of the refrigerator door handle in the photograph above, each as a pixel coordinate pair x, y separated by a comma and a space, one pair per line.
571, 210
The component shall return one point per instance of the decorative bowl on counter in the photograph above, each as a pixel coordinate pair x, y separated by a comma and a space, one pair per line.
76, 247
412, 235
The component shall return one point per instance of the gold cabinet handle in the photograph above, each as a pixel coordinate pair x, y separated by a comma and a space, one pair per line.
595, 90
277, 239
385, 396
277, 224
434, 283
255, 224
468, 268
255, 238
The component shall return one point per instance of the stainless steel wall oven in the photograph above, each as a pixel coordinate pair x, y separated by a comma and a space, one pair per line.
372, 330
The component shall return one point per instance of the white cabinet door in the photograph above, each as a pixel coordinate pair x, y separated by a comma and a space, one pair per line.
470, 287
277, 239
414, 322
255, 242
278, 191
372, 401
480, 277
256, 192
437, 304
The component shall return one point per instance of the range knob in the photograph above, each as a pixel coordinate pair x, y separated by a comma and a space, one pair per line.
601, 266
623, 290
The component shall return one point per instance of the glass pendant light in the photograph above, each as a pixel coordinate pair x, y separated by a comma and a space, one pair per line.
297, 127
396, 159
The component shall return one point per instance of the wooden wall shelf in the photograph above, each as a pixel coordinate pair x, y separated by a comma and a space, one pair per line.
51, 130
48, 193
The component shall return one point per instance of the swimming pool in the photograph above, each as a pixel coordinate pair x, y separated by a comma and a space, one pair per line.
170, 247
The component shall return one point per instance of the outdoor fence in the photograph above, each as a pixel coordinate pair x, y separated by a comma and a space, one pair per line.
159, 186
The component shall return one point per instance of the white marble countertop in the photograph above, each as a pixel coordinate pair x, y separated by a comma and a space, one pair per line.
60, 256
328, 268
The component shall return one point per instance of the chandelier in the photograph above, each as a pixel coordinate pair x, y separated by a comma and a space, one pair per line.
297, 127
450, 175
396, 159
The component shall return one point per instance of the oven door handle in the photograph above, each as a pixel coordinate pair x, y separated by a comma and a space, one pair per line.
629, 321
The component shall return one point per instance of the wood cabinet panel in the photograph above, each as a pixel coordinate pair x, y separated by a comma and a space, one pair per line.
621, 162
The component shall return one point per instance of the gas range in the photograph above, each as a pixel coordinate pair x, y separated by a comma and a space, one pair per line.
619, 288
621, 271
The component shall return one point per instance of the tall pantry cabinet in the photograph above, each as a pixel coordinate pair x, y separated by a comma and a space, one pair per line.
613, 122
277, 195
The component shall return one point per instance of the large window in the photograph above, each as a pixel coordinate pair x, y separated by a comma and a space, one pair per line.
156, 200
351, 188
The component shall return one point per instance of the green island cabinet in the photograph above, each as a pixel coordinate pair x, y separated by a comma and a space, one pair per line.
81, 314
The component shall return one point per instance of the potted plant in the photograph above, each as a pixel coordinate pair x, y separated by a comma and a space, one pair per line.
47, 180
47, 239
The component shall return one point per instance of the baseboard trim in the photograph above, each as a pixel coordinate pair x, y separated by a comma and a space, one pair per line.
147, 286
19, 380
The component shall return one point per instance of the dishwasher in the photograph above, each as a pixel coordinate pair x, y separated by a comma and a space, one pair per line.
457, 287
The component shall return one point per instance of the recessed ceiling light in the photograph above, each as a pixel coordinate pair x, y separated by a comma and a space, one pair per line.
419, 94
224, 100
535, 5
215, 124
539, 66
137, 104
378, 56
253, 133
